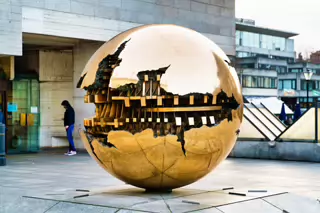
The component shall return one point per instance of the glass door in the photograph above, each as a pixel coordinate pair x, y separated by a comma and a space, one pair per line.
23, 109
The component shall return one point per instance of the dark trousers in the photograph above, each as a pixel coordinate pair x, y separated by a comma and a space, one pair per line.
70, 138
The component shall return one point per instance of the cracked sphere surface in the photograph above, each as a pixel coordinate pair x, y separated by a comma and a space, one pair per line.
168, 106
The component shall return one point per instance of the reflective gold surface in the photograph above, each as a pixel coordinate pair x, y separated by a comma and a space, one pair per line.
150, 47
169, 148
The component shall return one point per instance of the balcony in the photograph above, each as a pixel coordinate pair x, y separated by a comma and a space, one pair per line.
263, 51
257, 72
259, 92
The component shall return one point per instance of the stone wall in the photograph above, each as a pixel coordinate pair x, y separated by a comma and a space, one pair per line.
10, 28
101, 19
295, 151
56, 85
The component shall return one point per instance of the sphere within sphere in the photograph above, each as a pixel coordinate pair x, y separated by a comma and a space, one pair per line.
168, 106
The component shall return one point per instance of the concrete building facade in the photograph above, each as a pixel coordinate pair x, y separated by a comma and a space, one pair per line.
45, 45
262, 54
267, 66
293, 85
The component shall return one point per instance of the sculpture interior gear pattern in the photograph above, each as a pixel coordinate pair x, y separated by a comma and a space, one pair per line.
168, 106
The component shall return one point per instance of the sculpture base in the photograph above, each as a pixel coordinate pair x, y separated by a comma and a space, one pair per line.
158, 191
208, 199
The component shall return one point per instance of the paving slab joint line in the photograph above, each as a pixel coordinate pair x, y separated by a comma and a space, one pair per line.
51, 207
166, 204
284, 211
134, 210
88, 204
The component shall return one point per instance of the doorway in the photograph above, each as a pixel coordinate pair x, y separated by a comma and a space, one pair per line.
3, 109
23, 111
3, 106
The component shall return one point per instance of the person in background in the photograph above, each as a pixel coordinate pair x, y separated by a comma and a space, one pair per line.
69, 119
289, 121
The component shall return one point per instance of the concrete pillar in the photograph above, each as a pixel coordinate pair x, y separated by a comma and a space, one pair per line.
298, 86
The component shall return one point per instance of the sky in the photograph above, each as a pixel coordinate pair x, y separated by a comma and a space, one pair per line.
299, 16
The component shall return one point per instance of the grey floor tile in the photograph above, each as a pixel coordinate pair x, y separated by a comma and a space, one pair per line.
253, 194
294, 203
27, 205
177, 206
155, 206
45, 174
115, 201
254, 206
129, 211
209, 210
79, 208
211, 199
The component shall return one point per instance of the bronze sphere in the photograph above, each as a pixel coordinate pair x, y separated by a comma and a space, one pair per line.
168, 106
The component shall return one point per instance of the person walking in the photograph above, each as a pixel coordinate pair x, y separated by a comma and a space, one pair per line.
69, 119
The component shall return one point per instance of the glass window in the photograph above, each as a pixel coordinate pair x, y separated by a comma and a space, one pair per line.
312, 85
280, 85
246, 65
267, 82
273, 83
295, 70
289, 43
304, 100
238, 38
294, 84
287, 84
247, 81
254, 81
250, 39
244, 54
259, 82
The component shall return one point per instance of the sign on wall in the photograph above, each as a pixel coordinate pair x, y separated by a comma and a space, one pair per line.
12, 107
289, 92
34, 110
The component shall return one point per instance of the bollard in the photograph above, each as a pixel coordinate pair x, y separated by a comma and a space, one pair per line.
2, 144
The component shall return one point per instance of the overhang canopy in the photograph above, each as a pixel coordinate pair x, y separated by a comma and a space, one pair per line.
263, 30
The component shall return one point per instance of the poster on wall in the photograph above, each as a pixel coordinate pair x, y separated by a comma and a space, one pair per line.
34, 110
289, 92
12, 107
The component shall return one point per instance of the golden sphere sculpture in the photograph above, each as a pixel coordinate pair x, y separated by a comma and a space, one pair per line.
168, 106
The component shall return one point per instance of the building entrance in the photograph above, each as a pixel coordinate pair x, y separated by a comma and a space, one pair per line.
3, 103
23, 114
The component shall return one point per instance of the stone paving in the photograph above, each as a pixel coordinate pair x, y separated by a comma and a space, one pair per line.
47, 182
